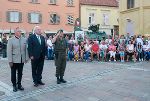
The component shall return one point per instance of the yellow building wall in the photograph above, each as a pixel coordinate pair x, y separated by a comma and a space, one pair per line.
139, 15
99, 10
134, 17
147, 21
146, 2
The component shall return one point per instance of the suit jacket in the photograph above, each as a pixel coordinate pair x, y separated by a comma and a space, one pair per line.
36, 49
17, 50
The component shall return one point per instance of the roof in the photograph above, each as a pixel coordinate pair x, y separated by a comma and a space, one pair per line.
110, 3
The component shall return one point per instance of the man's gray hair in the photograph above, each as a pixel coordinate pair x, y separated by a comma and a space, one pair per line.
35, 29
17, 29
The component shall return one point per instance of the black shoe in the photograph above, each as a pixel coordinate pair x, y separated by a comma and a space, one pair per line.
41, 83
58, 80
20, 87
63, 81
14, 89
36, 85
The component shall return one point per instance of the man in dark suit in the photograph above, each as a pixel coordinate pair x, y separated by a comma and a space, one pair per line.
37, 50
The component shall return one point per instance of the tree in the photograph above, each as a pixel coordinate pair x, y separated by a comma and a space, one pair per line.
94, 28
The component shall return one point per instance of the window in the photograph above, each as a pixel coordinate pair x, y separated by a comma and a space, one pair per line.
14, 16
54, 19
69, 2
34, 18
130, 4
34, 1
105, 19
91, 18
14, 0
70, 20
53, 2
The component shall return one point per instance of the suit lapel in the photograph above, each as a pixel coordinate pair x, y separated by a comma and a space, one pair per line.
37, 39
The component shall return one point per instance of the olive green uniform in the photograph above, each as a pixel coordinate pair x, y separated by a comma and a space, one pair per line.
60, 56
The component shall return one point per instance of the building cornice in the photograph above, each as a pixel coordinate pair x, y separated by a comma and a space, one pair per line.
146, 7
99, 5
130, 10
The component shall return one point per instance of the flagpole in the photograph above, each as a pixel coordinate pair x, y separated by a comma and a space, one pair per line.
10, 33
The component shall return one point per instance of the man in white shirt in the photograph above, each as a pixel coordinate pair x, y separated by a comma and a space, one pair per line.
50, 48
139, 40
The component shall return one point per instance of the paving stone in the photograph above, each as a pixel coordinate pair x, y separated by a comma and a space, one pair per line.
2, 93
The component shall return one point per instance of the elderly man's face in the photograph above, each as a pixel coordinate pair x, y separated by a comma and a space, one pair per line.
38, 31
18, 33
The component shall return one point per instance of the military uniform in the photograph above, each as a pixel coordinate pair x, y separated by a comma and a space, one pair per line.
60, 57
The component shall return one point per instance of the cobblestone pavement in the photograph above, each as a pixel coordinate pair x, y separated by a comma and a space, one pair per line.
92, 81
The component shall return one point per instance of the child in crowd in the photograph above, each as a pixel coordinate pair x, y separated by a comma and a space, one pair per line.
76, 52
70, 50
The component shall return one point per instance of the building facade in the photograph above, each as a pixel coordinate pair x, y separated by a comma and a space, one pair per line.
134, 17
51, 15
105, 13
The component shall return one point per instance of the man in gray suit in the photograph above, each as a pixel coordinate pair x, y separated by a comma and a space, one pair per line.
17, 56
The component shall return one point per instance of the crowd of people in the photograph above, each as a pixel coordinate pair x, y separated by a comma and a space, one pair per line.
124, 48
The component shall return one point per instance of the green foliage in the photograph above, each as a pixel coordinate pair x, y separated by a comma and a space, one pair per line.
94, 28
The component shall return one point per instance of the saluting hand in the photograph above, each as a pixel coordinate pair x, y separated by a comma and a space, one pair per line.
11, 64
31, 57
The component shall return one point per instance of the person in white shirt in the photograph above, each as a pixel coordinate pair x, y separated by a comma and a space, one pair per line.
109, 40
87, 51
50, 48
103, 50
139, 40
146, 49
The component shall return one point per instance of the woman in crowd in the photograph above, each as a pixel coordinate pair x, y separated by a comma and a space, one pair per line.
130, 51
146, 49
139, 50
112, 51
87, 51
121, 50
82, 50
95, 50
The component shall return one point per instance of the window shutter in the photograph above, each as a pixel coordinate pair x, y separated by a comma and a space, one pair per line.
20, 16
40, 18
71, 20
70, 2
58, 19
29, 17
8, 16
51, 18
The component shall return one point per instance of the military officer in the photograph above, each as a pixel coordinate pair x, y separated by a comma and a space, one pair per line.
60, 46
